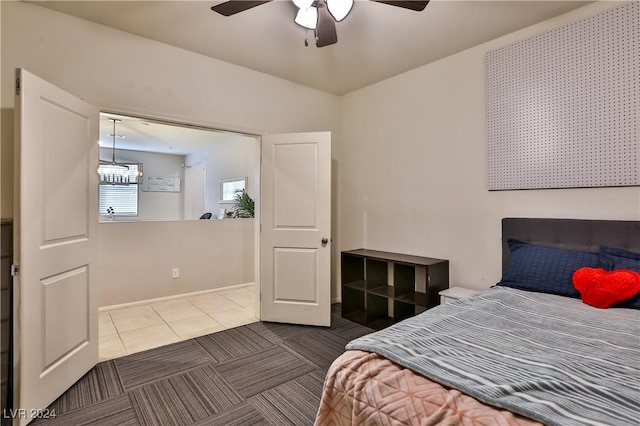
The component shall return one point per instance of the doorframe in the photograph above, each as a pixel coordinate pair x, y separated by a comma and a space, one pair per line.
210, 126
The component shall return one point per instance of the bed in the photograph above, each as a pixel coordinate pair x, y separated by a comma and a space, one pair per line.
528, 351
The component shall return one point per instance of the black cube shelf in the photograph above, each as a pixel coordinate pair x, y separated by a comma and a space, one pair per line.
370, 299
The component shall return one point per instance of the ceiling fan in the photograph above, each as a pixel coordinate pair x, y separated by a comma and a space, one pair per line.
318, 15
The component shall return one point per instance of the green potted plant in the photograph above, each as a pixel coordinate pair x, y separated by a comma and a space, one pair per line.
244, 205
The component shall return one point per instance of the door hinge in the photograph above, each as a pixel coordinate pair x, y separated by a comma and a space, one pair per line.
17, 86
15, 270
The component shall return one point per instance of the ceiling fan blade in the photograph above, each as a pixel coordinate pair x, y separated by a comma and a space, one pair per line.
232, 7
418, 6
326, 28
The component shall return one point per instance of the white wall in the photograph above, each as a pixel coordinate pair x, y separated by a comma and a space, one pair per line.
236, 157
153, 205
412, 168
409, 152
208, 253
123, 73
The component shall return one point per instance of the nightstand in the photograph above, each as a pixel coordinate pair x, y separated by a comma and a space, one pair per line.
455, 293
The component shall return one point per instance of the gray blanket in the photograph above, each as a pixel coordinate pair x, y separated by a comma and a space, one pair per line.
550, 358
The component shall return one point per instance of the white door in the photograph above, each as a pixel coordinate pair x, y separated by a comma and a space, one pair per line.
295, 242
194, 177
57, 313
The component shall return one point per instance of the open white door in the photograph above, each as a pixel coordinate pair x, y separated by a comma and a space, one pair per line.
56, 322
295, 252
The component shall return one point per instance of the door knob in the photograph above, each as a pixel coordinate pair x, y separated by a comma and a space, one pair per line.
324, 241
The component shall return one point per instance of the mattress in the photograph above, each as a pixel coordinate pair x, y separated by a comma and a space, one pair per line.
504, 356
364, 388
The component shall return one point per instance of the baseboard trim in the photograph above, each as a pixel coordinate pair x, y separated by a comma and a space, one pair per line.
165, 298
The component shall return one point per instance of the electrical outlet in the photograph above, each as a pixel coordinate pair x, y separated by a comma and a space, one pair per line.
175, 273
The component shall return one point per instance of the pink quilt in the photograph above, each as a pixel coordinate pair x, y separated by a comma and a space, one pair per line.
364, 388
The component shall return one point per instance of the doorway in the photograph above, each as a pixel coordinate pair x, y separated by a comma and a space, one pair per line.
204, 269
79, 274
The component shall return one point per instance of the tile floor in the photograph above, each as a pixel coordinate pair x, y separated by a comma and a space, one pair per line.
138, 328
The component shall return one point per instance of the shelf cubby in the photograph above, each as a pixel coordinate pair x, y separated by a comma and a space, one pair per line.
368, 296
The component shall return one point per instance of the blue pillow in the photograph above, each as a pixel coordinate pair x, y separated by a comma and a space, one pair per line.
616, 258
612, 258
545, 269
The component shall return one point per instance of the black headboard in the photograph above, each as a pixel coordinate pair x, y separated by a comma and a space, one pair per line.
576, 234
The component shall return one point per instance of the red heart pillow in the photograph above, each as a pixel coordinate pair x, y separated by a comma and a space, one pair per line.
602, 288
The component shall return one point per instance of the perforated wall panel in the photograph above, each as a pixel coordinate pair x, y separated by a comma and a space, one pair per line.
563, 106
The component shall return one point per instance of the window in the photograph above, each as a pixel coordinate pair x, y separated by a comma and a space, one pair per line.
231, 188
121, 199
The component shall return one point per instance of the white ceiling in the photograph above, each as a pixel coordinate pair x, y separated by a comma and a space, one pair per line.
375, 41
146, 135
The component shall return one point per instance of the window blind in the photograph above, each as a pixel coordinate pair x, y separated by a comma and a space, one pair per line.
123, 199
231, 189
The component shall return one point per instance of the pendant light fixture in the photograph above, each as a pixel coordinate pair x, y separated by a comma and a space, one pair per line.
112, 172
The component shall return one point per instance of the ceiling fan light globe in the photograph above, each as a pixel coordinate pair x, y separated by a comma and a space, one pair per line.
307, 18
303, 4
339, 9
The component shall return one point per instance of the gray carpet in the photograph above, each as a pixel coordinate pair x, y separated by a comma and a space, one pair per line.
257, 374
